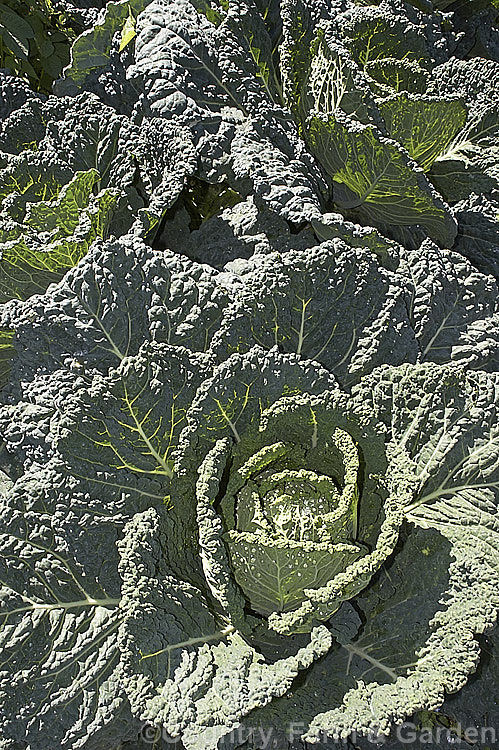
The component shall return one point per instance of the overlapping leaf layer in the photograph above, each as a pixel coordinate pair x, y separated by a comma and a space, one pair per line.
249, 348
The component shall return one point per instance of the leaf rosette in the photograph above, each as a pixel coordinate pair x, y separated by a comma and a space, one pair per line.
150, 455
307, 506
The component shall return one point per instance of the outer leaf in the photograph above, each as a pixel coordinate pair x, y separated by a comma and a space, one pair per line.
60, 615
85, 134
128, 33
133, 185
371, 708
24, 126
471, 164
339, 306
242, 387
16, 31
129, 422
231, 234
7, 352
248, 24
191, 69
267, 158
324, 79
335, 226
372, 174
476, 705
15, 92
92, 48
478, 238
67, 226
453, 310
399, 75
121, 295
475, 79
383, 32
28, 178
63, 214
424, 127
332, 304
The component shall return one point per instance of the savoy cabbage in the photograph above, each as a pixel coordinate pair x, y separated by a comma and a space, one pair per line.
162, 429
249, 348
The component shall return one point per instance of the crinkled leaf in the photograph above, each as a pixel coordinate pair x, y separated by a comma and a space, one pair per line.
185, 671
375, 176
60, 616
120, 296
425, 127
92, 48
